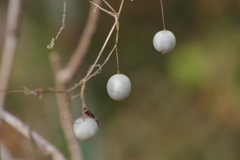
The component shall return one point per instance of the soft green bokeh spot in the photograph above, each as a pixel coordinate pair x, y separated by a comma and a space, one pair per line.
189, 65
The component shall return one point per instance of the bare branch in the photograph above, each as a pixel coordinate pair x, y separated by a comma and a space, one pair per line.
10, 44
63, 108
40, 143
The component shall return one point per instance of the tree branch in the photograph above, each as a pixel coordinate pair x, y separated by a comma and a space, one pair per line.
9, 47
40, 143
10, 44
64, 111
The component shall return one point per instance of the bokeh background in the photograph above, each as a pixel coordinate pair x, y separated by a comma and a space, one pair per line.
184, 105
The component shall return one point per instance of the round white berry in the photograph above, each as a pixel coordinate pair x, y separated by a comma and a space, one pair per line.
164, 41
85, 128
119, 87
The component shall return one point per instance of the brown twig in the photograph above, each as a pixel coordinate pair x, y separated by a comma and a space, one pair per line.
10, 44
39, 142
101, 51
51, 45
63, 109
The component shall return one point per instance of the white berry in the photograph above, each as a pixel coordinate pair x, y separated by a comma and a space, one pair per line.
164, 41
119, 87
85, 128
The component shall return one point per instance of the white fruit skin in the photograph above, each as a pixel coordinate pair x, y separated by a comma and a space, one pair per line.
164, 41
119, 87
85, 129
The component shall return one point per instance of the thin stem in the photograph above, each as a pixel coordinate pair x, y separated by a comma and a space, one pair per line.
109, 6
68, 106
102, 49
108, 12
51, 45
90, 76
74, 87
63, 109
83, 97
95, 73
120, 8
117, 32
63, 18
117, 61
163, 15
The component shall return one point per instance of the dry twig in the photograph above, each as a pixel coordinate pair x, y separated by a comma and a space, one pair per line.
51, 45
63, 109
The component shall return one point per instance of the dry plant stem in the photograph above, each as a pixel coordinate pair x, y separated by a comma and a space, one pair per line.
120, 8
51, 45
162, 15
63, 109
92, 75
117, 29
83, 98
103, 64
80, 52
109, 6
10, 44
117, 59
108, 12
40, 143
101, 51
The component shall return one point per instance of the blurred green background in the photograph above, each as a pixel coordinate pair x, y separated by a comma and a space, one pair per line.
184, 105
